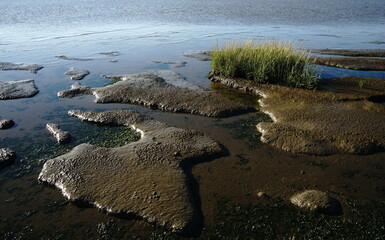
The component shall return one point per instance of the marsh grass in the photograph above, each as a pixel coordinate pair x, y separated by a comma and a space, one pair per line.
270, 62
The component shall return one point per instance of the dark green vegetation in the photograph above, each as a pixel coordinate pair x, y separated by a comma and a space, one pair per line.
270, 62
237, 95
113, 81
277, 220
246, 128
268, 219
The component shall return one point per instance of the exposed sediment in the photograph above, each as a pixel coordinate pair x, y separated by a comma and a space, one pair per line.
321, 122
362, 59
144, 178
176, 64
77, 73
199, 55
112, 53
351, 53
64, 57
6, 123
368, 64
76, 89
60, 135
18, 89
33, 68
7, 157
165, 90
317, 201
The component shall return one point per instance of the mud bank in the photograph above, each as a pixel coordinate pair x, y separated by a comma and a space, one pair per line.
6, 123
18, 89
145, 179
363, 59
368, 64
321, 122
351, 53
77, 73
33, 68
7, 157
162, 89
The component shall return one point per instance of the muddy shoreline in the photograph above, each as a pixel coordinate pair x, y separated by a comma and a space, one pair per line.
232, 181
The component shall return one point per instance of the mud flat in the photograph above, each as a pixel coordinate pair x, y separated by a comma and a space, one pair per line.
18, 89
364, 59
317, 201
199, 55
146, 178
33, 68
6, 123
77, 73
368, 64
7, 157
165, 90
321, 122
64, 57
60, 135
351, 53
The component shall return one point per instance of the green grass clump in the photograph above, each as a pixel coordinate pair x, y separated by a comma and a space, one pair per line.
269, 62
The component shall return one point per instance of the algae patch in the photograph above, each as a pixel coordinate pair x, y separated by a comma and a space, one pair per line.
245, 128
34, 150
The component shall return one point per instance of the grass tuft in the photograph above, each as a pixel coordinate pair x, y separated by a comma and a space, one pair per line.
270, 62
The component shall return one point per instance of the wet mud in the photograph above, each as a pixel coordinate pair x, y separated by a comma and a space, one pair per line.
153, 166
364, 59
320, 122
165, 90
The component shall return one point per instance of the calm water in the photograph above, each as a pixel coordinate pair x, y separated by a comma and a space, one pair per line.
28, 25
35, 31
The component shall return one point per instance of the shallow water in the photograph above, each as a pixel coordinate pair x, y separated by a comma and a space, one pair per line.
35, 31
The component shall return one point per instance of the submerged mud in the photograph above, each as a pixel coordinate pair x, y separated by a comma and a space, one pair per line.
146, 178
199, 55
320, 122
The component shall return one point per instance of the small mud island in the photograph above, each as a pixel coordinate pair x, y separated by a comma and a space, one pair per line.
364, 59
33, 68
146, 178
162, 89
18, 89
342, 120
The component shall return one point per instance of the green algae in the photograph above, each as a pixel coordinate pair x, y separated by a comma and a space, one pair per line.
237, 95
33, 150
246, 128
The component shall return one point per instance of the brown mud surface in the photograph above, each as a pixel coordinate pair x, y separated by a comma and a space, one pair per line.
145, 178
364, 59
321, 122
162, 89
368, 64
351, 53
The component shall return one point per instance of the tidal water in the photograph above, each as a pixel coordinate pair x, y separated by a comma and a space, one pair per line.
35, 31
